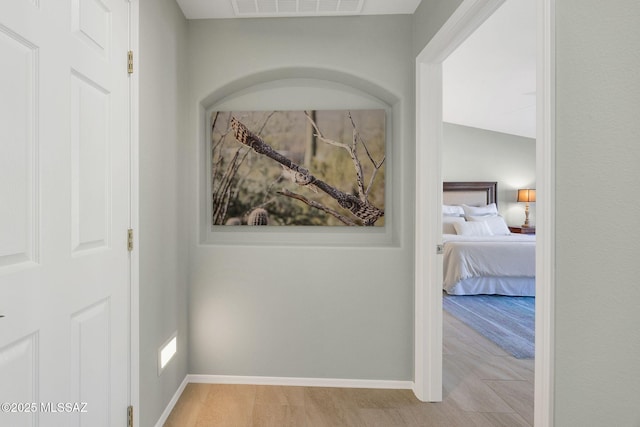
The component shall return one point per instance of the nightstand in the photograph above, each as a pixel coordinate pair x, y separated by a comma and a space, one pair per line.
523, 230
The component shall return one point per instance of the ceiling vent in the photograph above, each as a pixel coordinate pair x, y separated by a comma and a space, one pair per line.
265, 8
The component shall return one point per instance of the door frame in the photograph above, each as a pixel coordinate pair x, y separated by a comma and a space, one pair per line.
428, 224
134, 209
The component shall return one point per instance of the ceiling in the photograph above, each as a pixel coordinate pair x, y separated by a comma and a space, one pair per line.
489, 81
208, 9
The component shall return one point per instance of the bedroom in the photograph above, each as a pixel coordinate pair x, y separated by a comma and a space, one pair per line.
489, 127
489, 135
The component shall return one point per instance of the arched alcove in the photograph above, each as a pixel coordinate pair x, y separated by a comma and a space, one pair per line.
348, 82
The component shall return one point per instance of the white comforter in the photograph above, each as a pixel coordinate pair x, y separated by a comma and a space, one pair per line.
502, 257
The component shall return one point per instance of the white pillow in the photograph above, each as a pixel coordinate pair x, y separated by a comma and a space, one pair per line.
447, 224
452, 210
489, 210
479, 228
496, 224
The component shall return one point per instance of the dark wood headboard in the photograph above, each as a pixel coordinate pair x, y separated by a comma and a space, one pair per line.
490, 189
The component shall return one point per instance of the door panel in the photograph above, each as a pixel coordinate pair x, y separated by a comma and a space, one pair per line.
19, 373
18, 159
64, 211
90, 166
90, 362
90, 23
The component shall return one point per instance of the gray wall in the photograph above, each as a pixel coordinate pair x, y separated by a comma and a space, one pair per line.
472, 154
163, 274
312, 306
597, 240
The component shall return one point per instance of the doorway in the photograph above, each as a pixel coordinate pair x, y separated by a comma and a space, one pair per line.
428, 266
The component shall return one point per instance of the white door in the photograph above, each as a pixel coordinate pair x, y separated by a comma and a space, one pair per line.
64, 213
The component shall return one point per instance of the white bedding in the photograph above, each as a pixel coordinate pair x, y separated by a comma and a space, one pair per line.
502, 265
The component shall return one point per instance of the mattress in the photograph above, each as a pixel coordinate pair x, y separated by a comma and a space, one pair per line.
503, 265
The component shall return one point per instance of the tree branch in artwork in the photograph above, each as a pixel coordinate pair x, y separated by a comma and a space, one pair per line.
353, 153
376, 165
351, 149
358, 206
314, 204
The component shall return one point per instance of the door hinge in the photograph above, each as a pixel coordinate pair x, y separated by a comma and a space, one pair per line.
130, 62
439, 249
130, 239
130, 416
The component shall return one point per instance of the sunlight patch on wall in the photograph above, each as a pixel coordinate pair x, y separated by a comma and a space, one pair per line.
166, 352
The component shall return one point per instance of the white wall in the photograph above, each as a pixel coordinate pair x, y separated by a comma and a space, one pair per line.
163, 250
323, 303
597, 240
472, 154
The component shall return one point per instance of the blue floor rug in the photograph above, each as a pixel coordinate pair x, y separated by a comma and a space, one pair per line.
507, 321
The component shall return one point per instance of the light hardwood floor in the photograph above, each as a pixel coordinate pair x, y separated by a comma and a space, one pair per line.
483, 387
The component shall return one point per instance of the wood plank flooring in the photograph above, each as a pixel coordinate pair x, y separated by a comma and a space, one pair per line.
483, 387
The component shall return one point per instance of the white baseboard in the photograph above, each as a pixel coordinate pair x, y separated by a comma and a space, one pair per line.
172, 402
303, 382
283, 381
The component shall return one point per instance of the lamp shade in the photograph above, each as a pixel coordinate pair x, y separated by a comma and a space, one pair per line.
527, 195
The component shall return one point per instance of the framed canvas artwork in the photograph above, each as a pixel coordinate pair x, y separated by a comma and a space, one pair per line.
288, 168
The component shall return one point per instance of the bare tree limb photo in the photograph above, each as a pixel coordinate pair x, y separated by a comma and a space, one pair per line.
358, 206
317, 205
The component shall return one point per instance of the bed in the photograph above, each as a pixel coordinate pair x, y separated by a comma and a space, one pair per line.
481, 256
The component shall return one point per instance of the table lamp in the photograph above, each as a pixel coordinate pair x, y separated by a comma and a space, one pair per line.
526, 195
